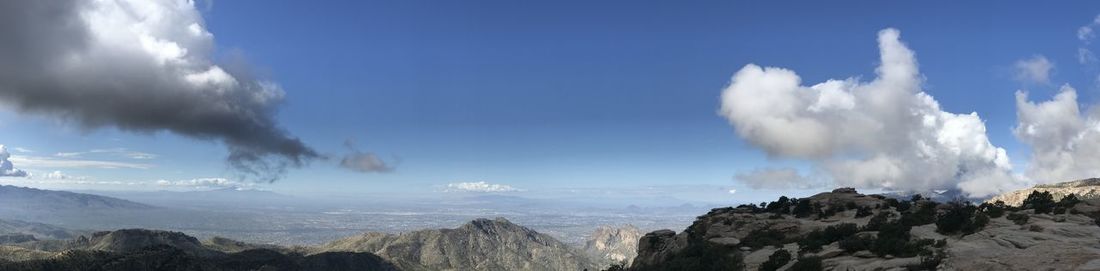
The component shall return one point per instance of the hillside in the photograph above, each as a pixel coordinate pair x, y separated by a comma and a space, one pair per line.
844, 230
613, 245
24, 199
481, 244
138, 249
35, 230
1087, 189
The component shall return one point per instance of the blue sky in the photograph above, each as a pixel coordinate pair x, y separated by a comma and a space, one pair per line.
543, 96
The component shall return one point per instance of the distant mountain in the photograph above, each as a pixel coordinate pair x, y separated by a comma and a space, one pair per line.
481, 244
220, 198
35, 230
614, 245
139, 249
27, 199
1086, 189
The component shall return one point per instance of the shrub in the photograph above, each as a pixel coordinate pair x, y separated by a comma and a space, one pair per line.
876, 222
854, 243
1035, 228
812, 263
929, 260
1018, 218
995, 210
778, 206
616, 267
778, 259
960, 217
863, 212
923, 214
1042, 202
813, 241
803, 208
851, 205
1069, 201
760, 238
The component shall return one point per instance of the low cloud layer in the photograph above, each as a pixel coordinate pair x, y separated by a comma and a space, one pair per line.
886, 133
480, 187
141, 66
7, 168
207, 183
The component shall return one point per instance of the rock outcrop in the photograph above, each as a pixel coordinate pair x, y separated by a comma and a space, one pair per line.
896, 235
1087, 189
613, 245
481, 244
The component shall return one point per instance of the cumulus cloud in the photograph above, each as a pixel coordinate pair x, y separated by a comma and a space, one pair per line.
142, 66
1065, 142
363, 161
886, 133
480, 187
1085, 34
62, 162
121, 152
7, 168
1035, 69
207, 183
777, 178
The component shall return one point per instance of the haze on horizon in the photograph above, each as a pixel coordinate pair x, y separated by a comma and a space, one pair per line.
621, 102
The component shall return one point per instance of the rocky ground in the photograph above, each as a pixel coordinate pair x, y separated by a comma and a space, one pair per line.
845, 230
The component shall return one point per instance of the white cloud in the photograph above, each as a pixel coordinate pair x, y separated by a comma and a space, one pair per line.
7, 168
1085, 34
886, 133
733, 191
120, 152
1065, 142
777, 178
52, 162
207, 183
1035, 69
480, 187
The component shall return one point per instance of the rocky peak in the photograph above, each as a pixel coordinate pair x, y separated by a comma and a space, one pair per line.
614, 244
481, 244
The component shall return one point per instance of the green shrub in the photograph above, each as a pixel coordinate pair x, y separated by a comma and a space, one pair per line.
1018, 218
863, 212
1042, 202
994, 210
803, 208
813, 241
778, 259
876, 222
812, 263
854, 243
760, 238
960, 217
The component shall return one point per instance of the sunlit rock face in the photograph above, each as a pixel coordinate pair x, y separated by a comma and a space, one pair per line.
615, 245
1083, 189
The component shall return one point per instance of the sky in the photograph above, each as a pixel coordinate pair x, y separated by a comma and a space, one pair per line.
549, 98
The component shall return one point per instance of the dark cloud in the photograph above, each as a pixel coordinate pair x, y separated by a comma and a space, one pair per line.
140, 66
363, 161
